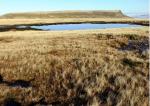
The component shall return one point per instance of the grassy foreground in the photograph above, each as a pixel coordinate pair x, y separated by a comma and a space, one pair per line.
90, 67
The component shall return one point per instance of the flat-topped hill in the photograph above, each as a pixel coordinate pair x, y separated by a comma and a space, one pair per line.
68, 14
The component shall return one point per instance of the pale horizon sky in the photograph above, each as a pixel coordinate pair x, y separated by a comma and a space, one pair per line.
126, 6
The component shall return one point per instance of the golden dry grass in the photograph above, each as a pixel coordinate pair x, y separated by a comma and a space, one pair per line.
74, 68
72, 20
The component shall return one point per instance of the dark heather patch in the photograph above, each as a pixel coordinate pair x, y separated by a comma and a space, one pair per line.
11, 102
110, 94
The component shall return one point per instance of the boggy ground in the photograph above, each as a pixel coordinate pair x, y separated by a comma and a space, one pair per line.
74, 68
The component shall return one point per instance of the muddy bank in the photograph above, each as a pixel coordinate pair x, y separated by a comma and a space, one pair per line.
16, 28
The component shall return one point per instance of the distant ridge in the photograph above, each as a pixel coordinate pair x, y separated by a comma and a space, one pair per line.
68, 14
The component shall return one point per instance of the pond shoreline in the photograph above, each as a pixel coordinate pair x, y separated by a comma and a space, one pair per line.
4, 28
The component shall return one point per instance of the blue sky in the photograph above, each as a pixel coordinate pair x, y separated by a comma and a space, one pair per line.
127, 6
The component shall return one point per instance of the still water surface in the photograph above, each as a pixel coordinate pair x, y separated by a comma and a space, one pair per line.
81, 26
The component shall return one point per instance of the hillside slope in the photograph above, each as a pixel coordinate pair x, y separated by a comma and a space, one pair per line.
67, 14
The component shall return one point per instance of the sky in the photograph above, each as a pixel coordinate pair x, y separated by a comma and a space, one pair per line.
126, 6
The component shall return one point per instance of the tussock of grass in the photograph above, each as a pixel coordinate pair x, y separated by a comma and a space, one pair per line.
6, 39
130, 63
